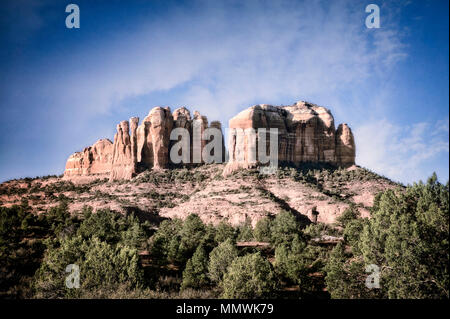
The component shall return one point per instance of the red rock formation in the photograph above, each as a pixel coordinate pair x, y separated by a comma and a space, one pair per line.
138, 147
218, 125
93, 160
345, 146
200, 123
123, 166
153, 139
306, 133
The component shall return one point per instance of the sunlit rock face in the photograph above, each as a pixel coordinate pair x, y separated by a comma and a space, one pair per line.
123, 166
345, 146
153, 139
93, 160
306, 133
140, 147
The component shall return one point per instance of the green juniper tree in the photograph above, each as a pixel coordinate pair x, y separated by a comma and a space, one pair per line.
249, 276
406, 238
220, 258
262, 229
195, 275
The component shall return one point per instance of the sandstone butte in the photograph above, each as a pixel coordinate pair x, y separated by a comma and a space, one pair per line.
306, 133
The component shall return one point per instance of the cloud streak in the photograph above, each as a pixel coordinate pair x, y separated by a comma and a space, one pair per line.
229, 58
401, 152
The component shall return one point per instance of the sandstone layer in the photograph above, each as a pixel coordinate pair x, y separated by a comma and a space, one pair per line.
93, 160
306, 133
140, 147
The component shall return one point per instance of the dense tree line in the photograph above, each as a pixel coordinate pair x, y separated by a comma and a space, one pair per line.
407, 237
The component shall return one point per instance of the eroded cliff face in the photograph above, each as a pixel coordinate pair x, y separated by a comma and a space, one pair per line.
93, 160
140, 147
306, 133
345, 146
122, 166
153, 139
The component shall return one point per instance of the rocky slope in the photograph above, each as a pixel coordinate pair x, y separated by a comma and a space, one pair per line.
243, 195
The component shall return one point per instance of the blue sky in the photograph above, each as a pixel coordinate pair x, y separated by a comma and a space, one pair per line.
62, 89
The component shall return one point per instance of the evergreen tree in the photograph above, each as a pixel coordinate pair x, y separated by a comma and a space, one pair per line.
245, 231
165, 243
100, 264
195, 275
250, 276
192, 234
224, 231
346, 276
295, 262
220, 258
262, 229
407, 237
284, 228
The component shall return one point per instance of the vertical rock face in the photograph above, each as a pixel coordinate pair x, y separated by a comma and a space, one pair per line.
306, 133
123, 166
345, 146
101, 157
93, 160
182, 119
258, 116
311, 128
217, 125
139, 147
153, 139
200, 123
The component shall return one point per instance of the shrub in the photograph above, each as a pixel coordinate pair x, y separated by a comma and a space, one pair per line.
284, 228
220, 258
195, 274
262, 229
100, 264
250, 276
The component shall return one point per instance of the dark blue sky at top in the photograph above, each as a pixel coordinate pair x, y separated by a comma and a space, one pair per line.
61, 89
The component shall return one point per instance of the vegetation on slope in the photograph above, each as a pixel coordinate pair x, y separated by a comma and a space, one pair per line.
121, 256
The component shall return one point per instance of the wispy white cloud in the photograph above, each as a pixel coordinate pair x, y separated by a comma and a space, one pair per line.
229, 55
401, 152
